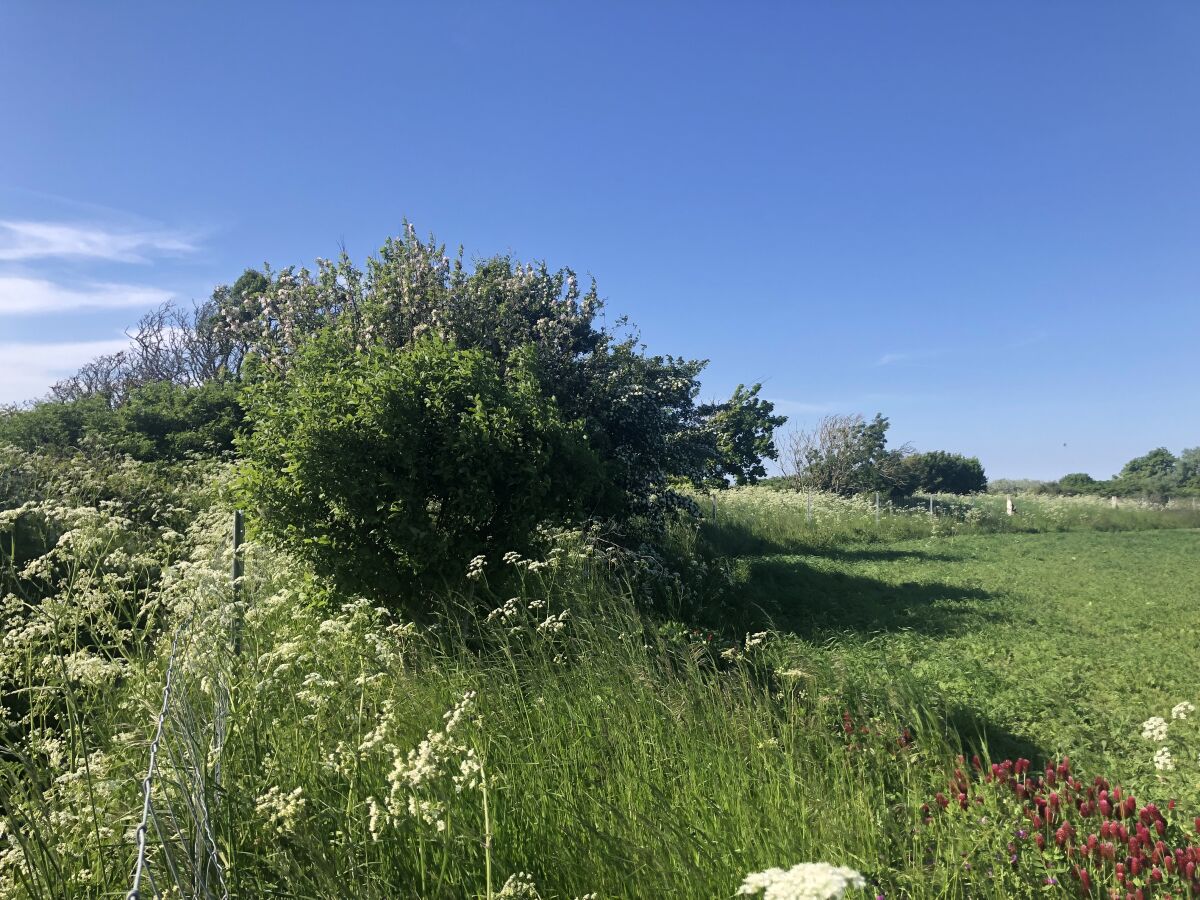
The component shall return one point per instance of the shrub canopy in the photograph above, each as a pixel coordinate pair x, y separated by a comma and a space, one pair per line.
939, 472
386, 467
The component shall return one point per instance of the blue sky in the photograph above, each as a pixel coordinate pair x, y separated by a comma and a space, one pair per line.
979, 219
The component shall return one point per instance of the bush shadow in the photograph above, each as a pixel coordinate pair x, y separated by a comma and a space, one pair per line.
735, 539
787, 595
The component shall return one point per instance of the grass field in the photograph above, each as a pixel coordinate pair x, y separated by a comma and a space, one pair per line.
806, 698
1061, 642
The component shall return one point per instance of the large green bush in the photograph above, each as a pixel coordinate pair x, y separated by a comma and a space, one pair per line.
639, 411
385, 468
939, 472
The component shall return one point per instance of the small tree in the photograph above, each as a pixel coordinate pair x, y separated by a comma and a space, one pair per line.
743, 429
1079, 483
939, 472
1157, 474
847, 455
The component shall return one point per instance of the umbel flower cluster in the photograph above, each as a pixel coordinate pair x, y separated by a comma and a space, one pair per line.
1177, 733
805, 881
1052, 828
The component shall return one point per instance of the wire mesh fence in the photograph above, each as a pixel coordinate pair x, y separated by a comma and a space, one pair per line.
177, 848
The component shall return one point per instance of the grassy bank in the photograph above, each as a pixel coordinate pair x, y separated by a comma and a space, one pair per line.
540, 721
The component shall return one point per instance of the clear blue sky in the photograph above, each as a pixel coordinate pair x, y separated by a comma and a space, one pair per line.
979, 219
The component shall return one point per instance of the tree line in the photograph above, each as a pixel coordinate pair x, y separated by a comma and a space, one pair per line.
848, 454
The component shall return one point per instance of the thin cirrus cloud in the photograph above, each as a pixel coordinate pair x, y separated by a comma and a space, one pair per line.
28, 369
22, 241
20, 295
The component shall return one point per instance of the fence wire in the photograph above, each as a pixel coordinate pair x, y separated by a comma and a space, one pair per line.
176, 845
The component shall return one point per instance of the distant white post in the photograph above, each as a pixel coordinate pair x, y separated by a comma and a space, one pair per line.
808, 517
1113, 501
931, 513
877, 509
1008, 505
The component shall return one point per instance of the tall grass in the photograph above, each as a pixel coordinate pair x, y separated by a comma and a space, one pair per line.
620, 757
761, 519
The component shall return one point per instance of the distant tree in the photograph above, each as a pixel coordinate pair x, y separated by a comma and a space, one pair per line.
937, 471
847, 455
1155, 475
1157, 463
1079, 483
1189, 469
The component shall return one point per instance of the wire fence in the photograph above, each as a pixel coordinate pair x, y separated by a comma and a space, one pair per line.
181, 791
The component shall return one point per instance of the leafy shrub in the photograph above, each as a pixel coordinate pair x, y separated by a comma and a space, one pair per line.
164, 421
53, 424
639, 411
939, 472
155, 422
383, 467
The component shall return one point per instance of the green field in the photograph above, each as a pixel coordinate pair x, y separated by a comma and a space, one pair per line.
1061, 642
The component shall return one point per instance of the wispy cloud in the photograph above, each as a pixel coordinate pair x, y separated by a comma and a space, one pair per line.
29, 240
891, 358
28, 369
35, 296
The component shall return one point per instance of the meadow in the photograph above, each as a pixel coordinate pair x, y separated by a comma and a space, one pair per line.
896, 697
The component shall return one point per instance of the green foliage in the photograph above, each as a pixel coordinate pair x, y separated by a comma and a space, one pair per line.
163, 421
939, 472
54, 424
848, 455
1080, 483
155, 422
1158, 475
638, 411
1158, 463
384, 467
744, 430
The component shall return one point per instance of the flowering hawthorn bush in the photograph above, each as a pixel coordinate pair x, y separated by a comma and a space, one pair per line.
1037, 829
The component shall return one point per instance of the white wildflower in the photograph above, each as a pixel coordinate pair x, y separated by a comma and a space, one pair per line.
476, 566
376, 817
1163, 760
554, 624
1182, 710
520, 885
1155, 729
806, 881
282, 811
756, 640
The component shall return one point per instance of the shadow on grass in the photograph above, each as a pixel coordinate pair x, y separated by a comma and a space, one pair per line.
787, 595
879, 554
977, 735
734, 539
